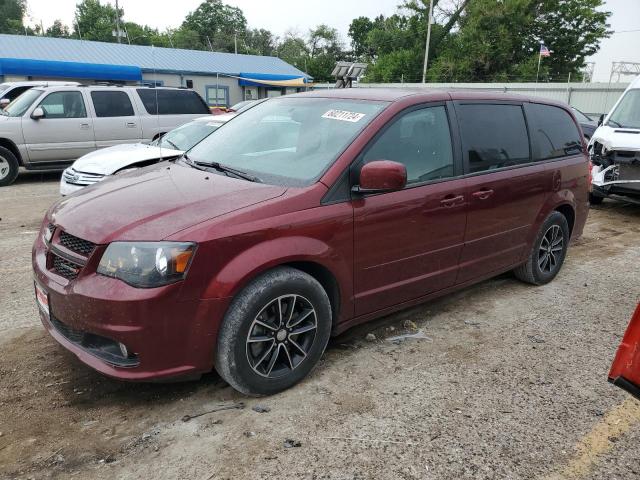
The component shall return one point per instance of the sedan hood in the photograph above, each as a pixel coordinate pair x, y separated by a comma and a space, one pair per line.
617, 138
107, 161
155, 202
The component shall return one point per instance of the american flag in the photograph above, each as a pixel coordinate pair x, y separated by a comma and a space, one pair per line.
544, 51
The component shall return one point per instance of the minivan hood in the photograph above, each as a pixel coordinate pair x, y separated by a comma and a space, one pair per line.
109, 160
617, 138
155, 202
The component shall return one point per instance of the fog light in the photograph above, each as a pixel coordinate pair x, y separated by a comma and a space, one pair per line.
123, 350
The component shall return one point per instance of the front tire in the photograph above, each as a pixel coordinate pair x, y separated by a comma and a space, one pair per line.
274, 332
548, 252
9, 167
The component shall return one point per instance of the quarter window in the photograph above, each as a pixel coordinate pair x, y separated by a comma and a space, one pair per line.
494, 136
553, 132
421, 141
112, 104
64, 105
165, 101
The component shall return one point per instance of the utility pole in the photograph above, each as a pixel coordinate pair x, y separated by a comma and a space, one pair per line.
235, 41
426, 48
117, 22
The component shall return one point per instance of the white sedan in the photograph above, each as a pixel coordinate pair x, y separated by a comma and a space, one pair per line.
101, 164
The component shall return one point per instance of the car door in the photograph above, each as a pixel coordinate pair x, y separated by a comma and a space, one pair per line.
115, 120
64, 133
505, 188
407, 243
625, 369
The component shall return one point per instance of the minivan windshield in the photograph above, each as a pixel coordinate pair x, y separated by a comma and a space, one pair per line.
287, 141
20, 105
627, 113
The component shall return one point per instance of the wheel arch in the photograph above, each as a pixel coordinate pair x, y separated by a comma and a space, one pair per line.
308, 255
12, 147
569, 213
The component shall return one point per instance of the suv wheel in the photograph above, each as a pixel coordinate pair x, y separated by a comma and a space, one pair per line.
548, 253
274, 332
8, 167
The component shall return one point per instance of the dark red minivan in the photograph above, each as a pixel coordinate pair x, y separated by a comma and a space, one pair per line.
302, 217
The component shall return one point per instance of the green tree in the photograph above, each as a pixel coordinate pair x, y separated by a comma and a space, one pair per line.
95, 21
259, 42
325, 48
293, 50
58, 29
358, 32
217, 23
498, 40
11, 17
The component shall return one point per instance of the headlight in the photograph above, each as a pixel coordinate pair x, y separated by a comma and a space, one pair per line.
147, 264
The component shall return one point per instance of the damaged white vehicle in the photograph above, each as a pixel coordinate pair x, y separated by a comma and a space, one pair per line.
102, 164
615, 151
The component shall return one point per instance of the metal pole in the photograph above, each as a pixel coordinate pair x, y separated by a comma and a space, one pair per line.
235, 41
426, 48
117, 22
569, 89
538, 73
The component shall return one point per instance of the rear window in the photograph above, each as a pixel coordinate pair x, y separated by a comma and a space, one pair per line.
494, 136
554, 134
112, 104
172, 102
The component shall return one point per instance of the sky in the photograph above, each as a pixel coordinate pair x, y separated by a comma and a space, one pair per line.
279, 16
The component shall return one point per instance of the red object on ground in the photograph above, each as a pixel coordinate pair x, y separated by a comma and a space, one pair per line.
625, 370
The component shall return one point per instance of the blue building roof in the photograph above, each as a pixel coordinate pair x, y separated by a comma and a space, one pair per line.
148, 59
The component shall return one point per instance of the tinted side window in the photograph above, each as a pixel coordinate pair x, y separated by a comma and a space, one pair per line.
553, 132
494, 136
172, 102
64, 105
420, 140
112, 104
15, 93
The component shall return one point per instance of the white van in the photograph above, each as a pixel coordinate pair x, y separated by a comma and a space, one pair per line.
615, 150
49, 128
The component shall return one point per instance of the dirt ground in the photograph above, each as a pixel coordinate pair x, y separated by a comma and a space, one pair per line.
510, 382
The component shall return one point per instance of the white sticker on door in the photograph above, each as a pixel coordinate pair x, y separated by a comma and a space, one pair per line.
343, 115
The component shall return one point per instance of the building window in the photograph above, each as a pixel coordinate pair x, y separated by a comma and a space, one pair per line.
217, 95
251, 93
152, 83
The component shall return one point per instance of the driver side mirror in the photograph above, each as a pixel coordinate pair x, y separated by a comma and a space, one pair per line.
4, 102
601, 119
38, 113
381, 176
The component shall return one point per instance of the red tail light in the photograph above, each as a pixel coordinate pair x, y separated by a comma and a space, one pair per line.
590, 176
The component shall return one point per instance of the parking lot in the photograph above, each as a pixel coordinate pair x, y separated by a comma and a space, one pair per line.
506, 380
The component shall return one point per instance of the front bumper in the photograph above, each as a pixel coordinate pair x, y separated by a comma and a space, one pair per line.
73, 180
166, 335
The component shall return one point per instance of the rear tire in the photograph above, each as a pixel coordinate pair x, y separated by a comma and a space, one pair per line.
259, 352
595, 199
548, 252
9, 167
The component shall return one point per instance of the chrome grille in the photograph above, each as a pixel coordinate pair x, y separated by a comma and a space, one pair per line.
75, 244
64, 267
76, 177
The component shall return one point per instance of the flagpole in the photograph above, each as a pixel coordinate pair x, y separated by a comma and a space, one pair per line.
538, 72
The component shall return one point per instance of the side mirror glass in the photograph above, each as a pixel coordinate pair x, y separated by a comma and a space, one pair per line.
4, 102
382, 176
38, 113
601, 119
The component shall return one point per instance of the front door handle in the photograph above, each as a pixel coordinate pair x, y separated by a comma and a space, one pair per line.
84, 126
482, 194
451, 200
131, 125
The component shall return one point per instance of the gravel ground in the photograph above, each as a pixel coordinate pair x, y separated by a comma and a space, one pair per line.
510, 382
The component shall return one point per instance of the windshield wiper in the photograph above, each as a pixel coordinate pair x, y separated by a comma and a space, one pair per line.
615, 124
205, 166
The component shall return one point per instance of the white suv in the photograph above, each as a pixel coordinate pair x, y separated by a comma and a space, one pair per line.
48, 128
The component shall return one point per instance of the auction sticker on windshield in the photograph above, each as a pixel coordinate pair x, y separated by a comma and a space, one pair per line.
42, 298
344, 115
